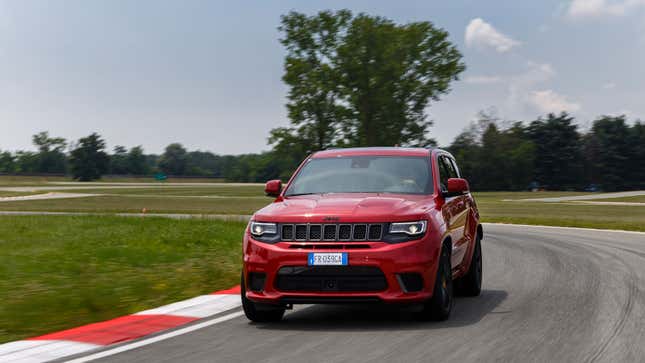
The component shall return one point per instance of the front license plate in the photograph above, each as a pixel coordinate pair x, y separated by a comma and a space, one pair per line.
327, 259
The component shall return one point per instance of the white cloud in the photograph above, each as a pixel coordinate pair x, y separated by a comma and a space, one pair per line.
481, 34
609, 85
520, 85
483, 79
549, 101
599, 8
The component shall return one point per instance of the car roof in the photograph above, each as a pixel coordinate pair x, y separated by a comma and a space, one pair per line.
373, 151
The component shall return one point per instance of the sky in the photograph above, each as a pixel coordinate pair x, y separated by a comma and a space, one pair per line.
208, 74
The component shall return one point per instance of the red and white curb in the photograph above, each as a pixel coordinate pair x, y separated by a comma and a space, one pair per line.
94, 336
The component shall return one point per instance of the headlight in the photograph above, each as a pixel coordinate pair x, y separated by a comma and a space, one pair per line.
409, 228
259, 229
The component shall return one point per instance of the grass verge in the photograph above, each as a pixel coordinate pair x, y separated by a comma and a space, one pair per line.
61, 272
634, 199
134, 204
493, 209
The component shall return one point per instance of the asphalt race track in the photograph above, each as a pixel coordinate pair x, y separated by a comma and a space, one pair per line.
550, 294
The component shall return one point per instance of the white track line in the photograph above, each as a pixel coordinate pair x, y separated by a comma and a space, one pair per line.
558, 227
154, 339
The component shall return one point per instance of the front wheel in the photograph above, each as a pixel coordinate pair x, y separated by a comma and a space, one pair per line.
257, 312
440, 305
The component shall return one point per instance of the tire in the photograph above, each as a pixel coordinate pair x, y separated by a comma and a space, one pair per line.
257, 312
439, 306
471, 283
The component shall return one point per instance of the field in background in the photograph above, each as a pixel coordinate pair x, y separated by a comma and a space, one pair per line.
60, 271
6, 180
63, 271
241, 199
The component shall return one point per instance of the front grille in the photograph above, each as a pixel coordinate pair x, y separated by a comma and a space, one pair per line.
287, 232
344, 232
301, 232
375, 231
331, 232
330, 278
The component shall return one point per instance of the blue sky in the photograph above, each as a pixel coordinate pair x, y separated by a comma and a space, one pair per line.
207, 73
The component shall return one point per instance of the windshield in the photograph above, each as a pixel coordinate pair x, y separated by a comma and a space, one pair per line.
363, 174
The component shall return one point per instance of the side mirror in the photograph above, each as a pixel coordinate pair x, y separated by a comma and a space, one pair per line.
273, 188
457, 186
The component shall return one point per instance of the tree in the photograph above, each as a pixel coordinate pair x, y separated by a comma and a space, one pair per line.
637, 157
51, 156
7, 162
174, 160
88, 160
136, 161
119, 161
361, 80
493, 158
609, 152
558, 161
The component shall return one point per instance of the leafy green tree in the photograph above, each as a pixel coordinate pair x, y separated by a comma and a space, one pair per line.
558, 162
51, 156
492, 158
609, 152
136, 161
27, 162
89, 160
7, 162
174, 160
636, 163
361, 80
119, 161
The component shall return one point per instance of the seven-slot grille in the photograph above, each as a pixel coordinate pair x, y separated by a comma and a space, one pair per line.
332, 232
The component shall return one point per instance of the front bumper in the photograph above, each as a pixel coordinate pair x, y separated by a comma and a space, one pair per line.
414, 257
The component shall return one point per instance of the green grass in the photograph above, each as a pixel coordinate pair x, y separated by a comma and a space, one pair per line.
135, 204
14, 180
180, 190
17, 194
635, 199
566, 214
60, 272
246, 199
498, 196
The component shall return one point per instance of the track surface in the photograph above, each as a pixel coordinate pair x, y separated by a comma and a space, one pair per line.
550, 294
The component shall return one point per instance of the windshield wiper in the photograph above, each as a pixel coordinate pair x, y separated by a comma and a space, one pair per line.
298, 194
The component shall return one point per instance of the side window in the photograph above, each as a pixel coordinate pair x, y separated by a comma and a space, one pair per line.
456, 168
446, 171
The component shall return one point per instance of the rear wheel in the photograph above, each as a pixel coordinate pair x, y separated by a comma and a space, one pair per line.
438, 308
471, 283
257, 312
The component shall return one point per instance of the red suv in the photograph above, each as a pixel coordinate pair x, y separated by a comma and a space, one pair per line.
392, 225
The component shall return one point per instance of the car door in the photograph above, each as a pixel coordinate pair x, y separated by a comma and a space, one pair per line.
455, 210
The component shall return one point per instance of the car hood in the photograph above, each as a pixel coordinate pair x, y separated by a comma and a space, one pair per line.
347, 207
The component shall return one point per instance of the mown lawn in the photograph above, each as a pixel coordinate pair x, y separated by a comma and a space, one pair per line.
185, 189
136, 203
634, 199
567, 214
59, 272
4, 193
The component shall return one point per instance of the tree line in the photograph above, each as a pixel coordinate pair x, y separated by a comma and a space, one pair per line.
88, 159
551, 152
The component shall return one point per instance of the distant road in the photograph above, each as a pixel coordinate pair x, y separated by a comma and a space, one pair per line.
550, 295
634, 193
